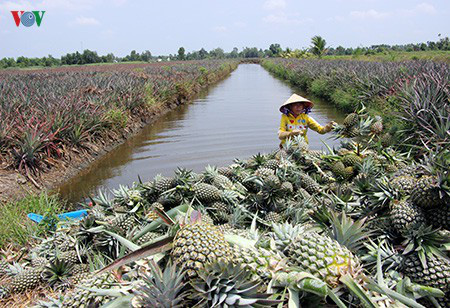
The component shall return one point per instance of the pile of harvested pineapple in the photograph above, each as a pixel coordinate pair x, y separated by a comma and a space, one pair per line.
362, 225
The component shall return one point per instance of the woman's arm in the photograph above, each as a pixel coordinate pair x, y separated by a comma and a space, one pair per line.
317, 127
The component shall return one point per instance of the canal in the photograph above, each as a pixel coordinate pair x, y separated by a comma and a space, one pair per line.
236, 118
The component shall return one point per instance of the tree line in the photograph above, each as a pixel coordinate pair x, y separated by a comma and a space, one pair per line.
318, 47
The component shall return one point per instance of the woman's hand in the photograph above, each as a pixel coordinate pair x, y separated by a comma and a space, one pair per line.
296, 132
329, 127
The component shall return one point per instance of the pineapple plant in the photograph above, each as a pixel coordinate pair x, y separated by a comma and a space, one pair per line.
386, 140
253, 162
348, 172
56, 272
212, 176
424, 259
287, 187
264, 172
261, 262
221, 211
4, 268
80, 269
434, 272
223, 284
284, 234
390, 168
165, 289
338, 168
70, 257
39, 262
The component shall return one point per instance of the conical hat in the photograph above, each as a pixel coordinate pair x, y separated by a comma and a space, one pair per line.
297, 99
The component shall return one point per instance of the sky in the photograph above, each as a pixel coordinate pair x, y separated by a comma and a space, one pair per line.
119, 26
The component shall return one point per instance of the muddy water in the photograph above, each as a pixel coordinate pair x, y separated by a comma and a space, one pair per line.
238, 117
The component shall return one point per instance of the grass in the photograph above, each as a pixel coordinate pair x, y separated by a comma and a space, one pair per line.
16, 228
433, 55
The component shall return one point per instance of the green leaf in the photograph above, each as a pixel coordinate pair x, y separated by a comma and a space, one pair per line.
155, 224
124, 301
152, 249
130, 245
294, 301
314, 286
357, 291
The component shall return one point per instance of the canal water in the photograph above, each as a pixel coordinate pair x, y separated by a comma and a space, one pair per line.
236, 118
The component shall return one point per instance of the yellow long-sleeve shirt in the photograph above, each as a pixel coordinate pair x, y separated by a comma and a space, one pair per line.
301, 122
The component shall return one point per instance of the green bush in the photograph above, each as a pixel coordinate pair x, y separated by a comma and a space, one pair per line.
117, 118
16, 228
344, 100
321, 88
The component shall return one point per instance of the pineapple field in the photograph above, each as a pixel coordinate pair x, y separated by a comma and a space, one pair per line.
362, 224
53, 120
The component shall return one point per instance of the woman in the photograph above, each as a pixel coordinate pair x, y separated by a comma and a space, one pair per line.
295, 120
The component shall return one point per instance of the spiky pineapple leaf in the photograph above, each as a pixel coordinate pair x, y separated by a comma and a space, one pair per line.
149, 250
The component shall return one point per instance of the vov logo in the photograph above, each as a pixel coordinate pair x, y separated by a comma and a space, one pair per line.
28, 18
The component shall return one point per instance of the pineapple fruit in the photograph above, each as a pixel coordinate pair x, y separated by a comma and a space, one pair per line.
196, 244
426, 193
351, 120
406, 216
434, 273
25, 280
206, 192
323, 257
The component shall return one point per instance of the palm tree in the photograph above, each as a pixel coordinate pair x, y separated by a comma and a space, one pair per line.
318, 46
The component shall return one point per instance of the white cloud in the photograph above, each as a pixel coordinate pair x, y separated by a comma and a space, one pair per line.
370, 14
64, 5
426, 8
285, 19
240, 24
17, 5
86, 21
220, 29
337, 18
274, 5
